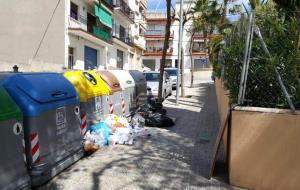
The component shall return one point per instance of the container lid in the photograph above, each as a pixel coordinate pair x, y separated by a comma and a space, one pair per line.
42, 87
138, 76
124, 78
87, 84
8, 108
35, 93
111, 81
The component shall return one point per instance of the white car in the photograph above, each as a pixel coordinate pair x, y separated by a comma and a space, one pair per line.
173, 75
152, 78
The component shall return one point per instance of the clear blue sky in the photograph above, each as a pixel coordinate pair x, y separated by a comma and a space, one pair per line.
160, 5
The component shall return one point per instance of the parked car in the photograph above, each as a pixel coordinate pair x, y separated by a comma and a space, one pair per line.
152, 78
173, 76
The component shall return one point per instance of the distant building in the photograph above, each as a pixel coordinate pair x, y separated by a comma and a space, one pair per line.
71, 34
155, 36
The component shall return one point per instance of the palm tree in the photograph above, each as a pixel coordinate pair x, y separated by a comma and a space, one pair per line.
164, 54
224, 11
207, 18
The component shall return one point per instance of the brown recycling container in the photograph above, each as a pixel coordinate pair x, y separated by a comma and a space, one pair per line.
114, 99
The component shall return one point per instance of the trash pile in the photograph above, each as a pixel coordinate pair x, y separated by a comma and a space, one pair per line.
115, 129
155, 115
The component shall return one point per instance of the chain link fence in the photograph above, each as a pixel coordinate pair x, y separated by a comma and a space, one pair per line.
259, 61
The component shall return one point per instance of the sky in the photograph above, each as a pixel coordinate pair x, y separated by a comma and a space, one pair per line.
160, 6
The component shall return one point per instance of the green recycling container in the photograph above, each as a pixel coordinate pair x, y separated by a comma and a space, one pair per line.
13, 171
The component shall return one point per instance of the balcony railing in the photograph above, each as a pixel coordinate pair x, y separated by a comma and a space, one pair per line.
157, 33
126, 38
108, 3
124, 8
81, 23
77, 22
157, 50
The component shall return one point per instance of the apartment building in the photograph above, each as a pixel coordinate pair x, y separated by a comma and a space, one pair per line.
155, 36
138, 31
71, 34
193, 47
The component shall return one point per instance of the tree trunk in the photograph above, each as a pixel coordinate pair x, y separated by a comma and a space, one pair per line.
192, 62
224, 11
298, 19
182, 72
210, 54
164, 54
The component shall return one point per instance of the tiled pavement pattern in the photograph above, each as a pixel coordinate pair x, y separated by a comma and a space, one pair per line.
172, 158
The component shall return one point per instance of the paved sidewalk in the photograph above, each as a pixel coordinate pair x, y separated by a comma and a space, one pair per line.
173, 158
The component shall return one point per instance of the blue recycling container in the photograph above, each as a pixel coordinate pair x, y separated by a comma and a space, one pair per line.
51, 120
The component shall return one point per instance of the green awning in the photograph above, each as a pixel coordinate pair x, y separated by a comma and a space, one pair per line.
104, 17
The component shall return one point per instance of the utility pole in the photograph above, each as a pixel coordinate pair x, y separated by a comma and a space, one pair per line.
179, 50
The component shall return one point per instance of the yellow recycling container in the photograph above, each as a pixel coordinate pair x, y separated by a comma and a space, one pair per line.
92, 91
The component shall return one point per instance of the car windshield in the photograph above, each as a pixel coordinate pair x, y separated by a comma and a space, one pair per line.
152, 76
171, 72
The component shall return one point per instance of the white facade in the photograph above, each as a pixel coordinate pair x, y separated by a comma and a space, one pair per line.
53, 36
156, 29
138, 30
78, 39
155, 36
25, 39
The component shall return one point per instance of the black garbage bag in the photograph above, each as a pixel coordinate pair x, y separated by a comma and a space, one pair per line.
152, 107
159, 120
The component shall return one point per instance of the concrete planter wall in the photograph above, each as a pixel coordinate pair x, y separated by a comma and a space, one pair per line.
223, 107
264, 147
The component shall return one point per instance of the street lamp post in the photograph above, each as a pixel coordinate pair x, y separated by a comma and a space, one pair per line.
179, 50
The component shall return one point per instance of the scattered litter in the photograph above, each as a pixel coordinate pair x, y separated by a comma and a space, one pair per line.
116, 129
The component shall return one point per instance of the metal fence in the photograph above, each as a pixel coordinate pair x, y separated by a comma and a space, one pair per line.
258, 70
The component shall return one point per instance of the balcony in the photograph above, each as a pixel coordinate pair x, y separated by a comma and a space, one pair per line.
199, 47
122, 6
108, 3
83, 25
101, 34
77, 22
156, 51
157, 34
198, 51
126, 39
199, 35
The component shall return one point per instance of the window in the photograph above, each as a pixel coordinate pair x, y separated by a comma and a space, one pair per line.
71, 58
200, 63
149, 63
122, 32
74, 11
152, 76
120, 59
198, 47
171, 72
91, 22
151, 27
168, 63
